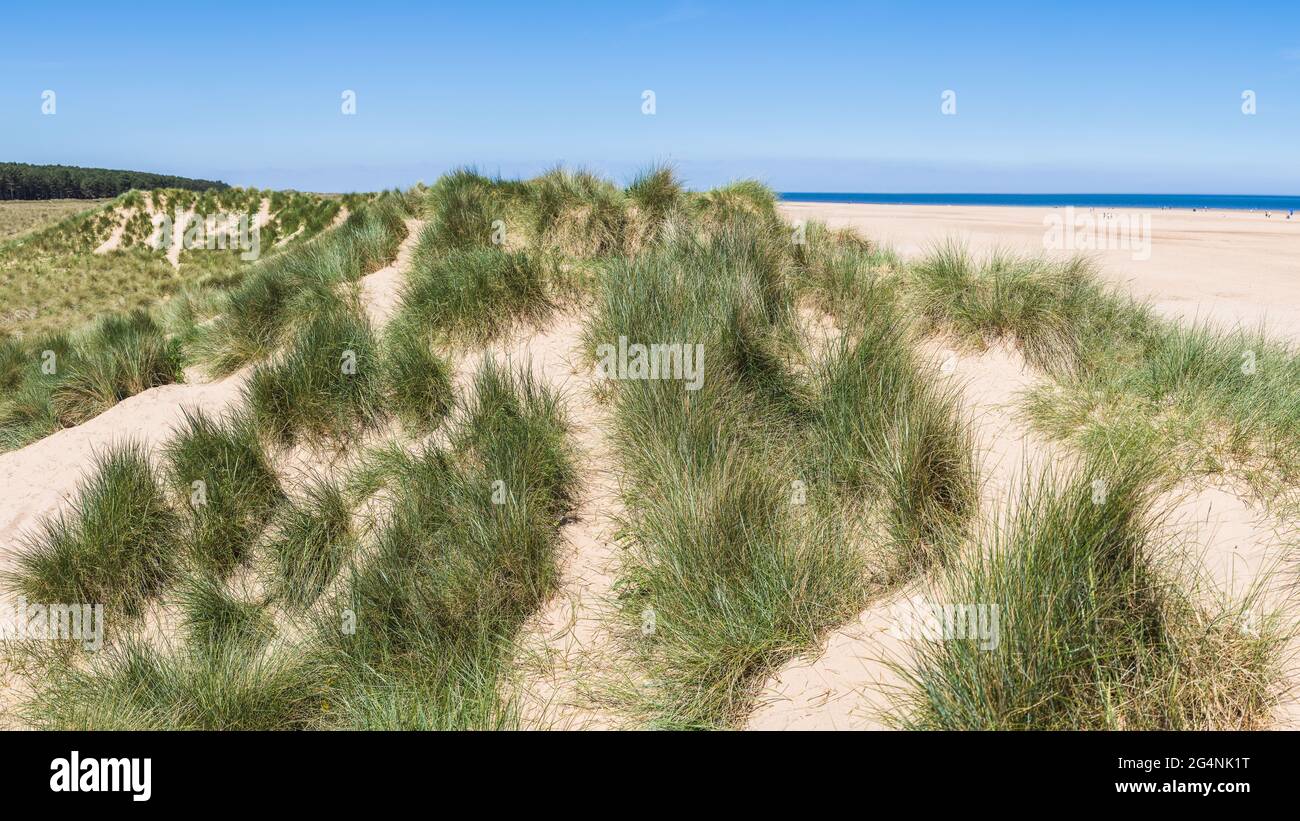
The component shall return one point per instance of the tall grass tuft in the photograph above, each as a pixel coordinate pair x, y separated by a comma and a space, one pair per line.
1095, 627
215, 621
729, 571
1202, 399
884, 430
578, 214
462, 207
134, 686
326, 386
314, 538
59, 380
466, 555
476, 294
657, 194
116, 547
417, 381
222, 474
287, 292
1057, 312
740, 200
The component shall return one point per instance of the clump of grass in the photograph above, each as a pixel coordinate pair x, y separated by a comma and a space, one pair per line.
462, 207
1094, 629
327, 386
845, 275
474, 295
14, 362
417, 382
1200, 397
60, 380
732, 568
374, 232
249, 328
740, 200
729, 292
313, 540
884, 429
657, 194
133, 686
1056, 312
116, 547
466, 555
122, 356
290, 290
25, 412
516, 428
215, 621
221, 471
579, 214
725, 578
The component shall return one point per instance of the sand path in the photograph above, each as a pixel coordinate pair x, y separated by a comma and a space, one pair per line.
381, 291
567, 643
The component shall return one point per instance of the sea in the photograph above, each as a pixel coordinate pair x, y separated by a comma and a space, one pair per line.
1241, 202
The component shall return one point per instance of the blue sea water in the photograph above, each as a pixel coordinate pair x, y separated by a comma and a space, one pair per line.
1213, 201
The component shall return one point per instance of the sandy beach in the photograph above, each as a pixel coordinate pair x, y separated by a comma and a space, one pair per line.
1229, 266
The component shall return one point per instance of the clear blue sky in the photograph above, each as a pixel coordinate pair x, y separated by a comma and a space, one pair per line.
1102, 97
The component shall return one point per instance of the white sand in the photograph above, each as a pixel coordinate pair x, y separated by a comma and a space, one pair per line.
1231, 266
567, 645
114, 240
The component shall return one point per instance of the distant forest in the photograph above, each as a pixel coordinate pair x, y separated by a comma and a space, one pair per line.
20, 181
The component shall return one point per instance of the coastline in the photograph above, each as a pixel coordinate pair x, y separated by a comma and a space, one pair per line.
1228, 266
1283, 204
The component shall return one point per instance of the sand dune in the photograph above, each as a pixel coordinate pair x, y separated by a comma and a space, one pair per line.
40, 479
1194, 270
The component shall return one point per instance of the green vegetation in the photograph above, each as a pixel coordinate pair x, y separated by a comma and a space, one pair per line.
116, 547
223, 479
59, 381
791, 459
1094, 632
466, 555
327, 385
217, 622
1200, 400
287, 292
55, 381
134, 686
21, 181
476, 294
417, 382
314, 538
747, 537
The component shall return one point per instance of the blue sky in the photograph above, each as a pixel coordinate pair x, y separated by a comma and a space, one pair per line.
1103, 97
